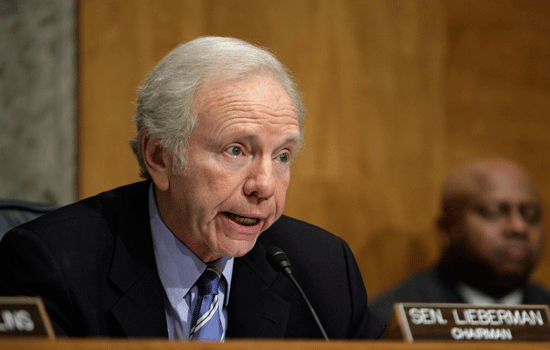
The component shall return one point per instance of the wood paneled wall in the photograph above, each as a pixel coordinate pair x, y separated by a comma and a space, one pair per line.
397, 94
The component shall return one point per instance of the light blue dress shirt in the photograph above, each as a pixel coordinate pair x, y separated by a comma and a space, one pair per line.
179, 268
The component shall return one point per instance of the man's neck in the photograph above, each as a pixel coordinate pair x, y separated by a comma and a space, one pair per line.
480, 278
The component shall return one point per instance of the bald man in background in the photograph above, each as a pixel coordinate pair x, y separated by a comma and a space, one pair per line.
491, 240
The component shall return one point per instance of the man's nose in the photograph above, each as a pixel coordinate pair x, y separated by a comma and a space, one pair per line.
517, 225
261, 181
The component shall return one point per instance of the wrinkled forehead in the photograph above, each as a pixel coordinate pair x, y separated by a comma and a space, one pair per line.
253, 99
251, 85
218, 80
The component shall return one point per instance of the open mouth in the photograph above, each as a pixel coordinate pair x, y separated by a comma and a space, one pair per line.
242, 220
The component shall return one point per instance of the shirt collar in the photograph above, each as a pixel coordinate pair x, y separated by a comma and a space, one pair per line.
171, 255
475, 296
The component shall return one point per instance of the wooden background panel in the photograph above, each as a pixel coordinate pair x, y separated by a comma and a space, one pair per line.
370, 168
396, 93
109, 62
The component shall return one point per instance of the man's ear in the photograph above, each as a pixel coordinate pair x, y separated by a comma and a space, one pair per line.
158, 162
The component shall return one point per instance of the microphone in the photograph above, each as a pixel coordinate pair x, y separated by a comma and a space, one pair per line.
280, 263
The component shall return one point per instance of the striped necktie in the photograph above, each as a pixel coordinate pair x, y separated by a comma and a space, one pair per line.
206, 323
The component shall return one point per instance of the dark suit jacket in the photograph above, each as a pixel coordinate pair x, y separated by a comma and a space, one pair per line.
438, 286
93, 264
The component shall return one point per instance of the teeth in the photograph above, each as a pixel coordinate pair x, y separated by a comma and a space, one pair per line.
242, 220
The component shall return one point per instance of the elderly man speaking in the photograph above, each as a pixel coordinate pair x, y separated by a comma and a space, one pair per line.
182, 254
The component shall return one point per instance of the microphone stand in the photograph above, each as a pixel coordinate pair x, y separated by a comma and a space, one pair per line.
280, 263
313, 313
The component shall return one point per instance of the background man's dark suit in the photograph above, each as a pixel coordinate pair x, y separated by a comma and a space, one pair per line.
93, 264
438, 286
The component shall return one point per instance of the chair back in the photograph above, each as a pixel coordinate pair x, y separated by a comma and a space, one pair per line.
15, 212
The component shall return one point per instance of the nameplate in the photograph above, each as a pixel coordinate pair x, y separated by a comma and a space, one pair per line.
24, 317
468, 322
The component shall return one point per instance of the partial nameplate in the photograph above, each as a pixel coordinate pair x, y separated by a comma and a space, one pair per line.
24, 317
468, 322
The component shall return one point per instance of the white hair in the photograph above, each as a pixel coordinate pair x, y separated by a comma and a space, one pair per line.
165, 104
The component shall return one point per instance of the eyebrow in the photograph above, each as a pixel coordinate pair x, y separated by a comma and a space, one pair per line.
508, 203
289, 140
295, 139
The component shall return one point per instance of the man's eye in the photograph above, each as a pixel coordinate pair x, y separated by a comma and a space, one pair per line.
235, 151
490, 212
532, 214
284, 158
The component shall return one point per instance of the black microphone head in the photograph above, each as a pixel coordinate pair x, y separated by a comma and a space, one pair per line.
278, 260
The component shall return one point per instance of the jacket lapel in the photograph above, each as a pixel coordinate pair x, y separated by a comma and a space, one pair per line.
255, 309
140, 310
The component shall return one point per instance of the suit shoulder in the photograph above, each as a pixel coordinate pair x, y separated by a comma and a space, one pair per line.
298, 226
76, 237
80, 225
412, 289
537, 294
103, 206
407, 288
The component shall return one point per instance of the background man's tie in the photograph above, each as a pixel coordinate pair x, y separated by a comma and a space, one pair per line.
207, 324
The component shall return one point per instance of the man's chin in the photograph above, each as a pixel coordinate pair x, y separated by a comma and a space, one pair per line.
510, 277
514, 269
236, 248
